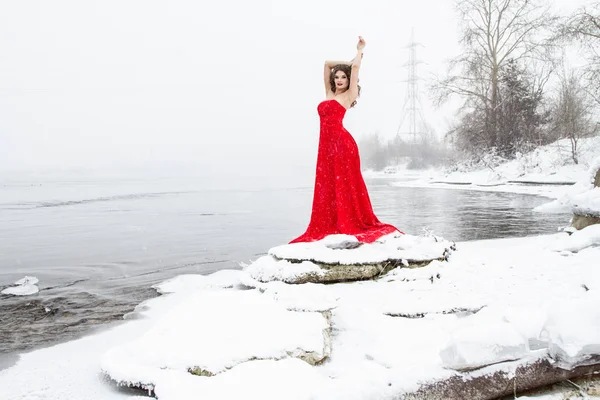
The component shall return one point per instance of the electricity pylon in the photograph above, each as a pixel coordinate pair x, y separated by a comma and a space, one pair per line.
412, 109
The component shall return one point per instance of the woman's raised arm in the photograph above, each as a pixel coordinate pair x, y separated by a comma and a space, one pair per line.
353, 88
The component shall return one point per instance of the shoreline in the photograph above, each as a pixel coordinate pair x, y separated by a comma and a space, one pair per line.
76, 364
543, 189
10, 359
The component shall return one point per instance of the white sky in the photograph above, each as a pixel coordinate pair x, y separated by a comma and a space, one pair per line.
228, 84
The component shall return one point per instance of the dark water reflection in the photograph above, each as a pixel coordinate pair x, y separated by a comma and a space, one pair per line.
464, 215
97, 248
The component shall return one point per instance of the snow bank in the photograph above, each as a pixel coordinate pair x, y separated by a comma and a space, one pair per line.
481, 340
492, 301
579, 240
582, 199
573, 330
214, 331
587, 203
547, 171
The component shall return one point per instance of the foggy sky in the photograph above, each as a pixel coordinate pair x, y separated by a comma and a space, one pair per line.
199, 85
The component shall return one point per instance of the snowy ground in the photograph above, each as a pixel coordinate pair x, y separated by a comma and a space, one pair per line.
519, 295
492, 302
544, 172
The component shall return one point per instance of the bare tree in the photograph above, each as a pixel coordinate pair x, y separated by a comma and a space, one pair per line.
571, 115
494, 32
584, 27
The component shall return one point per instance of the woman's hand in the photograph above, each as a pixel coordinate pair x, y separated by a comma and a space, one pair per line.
361, 43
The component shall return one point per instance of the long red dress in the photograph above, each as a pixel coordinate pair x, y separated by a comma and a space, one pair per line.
341, 203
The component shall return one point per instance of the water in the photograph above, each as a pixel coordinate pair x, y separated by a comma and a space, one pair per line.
98, 245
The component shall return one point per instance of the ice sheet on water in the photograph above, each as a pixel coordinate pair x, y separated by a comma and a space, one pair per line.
24, 287
21, 290
28, 280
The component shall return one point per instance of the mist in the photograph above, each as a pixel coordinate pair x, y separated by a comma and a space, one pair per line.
218, 88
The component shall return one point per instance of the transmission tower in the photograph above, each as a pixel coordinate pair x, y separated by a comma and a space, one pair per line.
412, 109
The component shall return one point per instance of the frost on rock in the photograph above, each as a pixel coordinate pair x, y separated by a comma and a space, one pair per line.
214, 330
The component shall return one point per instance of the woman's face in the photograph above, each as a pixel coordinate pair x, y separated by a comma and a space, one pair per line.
341, 80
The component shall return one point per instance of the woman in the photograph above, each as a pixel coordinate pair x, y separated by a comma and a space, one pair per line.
341, 203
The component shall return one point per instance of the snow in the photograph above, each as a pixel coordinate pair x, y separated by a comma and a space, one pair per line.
21, 290
392, 246
24, 287
481, 340
216, 338
306, 297
28, 280
249, 380
221, 279
579, 240
547, 171
267, 269
573, 330
492, 301
587, 203
582, 198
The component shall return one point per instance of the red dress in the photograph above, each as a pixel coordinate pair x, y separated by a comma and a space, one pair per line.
341, 203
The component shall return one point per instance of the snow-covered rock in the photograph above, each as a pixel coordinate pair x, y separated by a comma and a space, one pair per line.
578, 240
586, 205
582, 199
573, 331
215, 330
482, 340
267, 268
389, 247
335, 259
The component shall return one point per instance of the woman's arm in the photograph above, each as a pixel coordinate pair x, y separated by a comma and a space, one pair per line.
353, 89
355, 63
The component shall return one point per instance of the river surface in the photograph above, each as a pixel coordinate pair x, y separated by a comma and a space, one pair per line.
98, 245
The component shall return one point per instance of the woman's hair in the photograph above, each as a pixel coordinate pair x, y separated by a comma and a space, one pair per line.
345, 69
